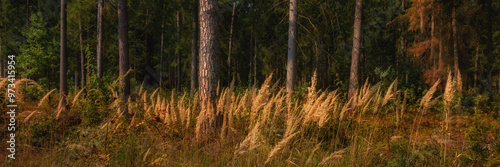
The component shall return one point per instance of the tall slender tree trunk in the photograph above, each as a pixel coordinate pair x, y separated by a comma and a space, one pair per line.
402, 40
2, 67
488, 51
194, 47
440, 55
82, 56
255, 53
161, 47
230, 46
433, 58
123, 53
422, 25
63, 87
178, 51
100, 5
291, 69
455, 37
209, 120
476, 61
356, 49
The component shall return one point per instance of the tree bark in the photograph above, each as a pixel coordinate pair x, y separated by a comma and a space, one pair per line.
100, 5
455, 37
356, 49
63, 69
82, 56
433, 58
255, 52
178, 51
123, 53
488, 51
422, 25
292, 48
2, 67
161, 47
476, 61
208, 69
230, 46
402, 41
194, 47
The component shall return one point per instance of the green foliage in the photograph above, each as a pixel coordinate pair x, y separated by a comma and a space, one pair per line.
42, 131
90, 114
39, 55
32, 93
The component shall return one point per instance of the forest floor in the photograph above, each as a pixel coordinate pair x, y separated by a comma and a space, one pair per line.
260, 129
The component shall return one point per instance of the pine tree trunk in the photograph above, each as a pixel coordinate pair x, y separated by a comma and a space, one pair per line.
255, 52
422, 26
476, 61
291, 69
455, 38
2, 67
123, 53
63, 87
161, 47
402, 40
82, 56
100, 5
440, 55
194, 47
230, 46
488, 51
178, 51
433, 58
208, 69
356, 49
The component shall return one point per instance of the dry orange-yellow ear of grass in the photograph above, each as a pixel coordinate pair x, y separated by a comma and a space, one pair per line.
261, 99
76, 98
334, 156
42, 101
29, 116
448, 90
280, 146
60, 107
424, 103
390, 93
140, 89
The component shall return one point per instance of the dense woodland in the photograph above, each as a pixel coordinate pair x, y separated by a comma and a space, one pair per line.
253, 82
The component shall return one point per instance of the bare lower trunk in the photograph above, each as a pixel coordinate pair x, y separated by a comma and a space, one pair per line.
433, 58
475, 65
356, 50
123, 54
194, 48
63, 87
255, 52
100, 5
440, 55
2, 67
161, 48
82, 57
209, 120
292, 48
455, 38
178, 51
230, 46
